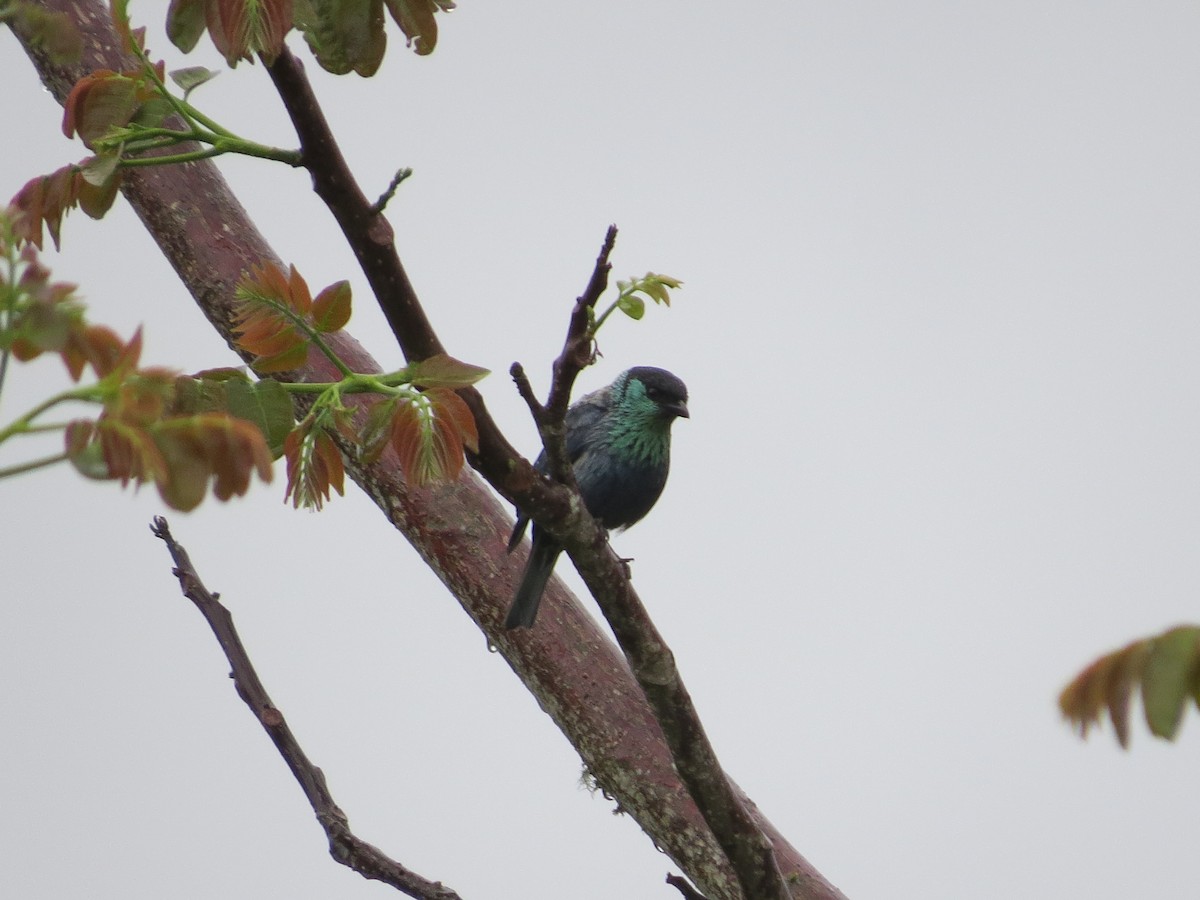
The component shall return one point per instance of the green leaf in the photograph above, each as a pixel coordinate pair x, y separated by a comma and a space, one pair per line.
344, 35
632, 305
99, 169
1168, 679
377, 429
185, 23
266, 404
192, 77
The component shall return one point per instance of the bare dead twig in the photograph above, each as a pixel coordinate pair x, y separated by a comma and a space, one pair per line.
344, 846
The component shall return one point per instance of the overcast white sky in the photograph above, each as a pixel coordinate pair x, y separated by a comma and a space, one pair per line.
940, 328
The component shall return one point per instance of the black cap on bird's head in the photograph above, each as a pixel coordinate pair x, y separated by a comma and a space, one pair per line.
666, 390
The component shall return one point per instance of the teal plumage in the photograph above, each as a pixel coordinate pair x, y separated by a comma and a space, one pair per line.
619, 442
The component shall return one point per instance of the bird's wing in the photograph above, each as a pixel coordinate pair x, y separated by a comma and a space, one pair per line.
581, 421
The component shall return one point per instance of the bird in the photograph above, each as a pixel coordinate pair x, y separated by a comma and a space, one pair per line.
618, 439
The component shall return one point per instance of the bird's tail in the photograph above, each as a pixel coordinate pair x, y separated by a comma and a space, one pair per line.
533, 582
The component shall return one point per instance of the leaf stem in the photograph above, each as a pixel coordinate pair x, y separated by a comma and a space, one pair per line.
33, 464
24, 425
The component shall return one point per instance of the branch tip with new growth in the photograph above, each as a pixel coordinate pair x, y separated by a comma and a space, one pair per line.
344, 846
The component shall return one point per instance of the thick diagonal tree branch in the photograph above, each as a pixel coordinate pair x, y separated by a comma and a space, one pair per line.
653, 664
344, 845
459, 530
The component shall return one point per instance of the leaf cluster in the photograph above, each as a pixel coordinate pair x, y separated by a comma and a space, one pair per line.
1166, 671
154, 426
632, 296
344, 35
415, 412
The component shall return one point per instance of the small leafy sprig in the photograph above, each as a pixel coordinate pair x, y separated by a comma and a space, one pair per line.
125, 119
632, 294
416, 412
1166, 670
154, 425
220, 427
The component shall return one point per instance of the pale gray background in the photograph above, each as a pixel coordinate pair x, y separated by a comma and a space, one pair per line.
940, 324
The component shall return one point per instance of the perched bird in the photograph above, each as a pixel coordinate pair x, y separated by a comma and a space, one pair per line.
619, 442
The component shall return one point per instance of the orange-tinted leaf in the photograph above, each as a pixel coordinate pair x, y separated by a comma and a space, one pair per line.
130, 452
29, 200
415, 18
299, 297
58, 197
427, 434
442, 371
331, 308
330, 458
314, 465
241, 28
292, 358
99, 102
98, 346
452, 409
144, 396
208, 446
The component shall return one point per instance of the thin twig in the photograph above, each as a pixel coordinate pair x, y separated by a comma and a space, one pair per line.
749, 851
344, 846
386, 197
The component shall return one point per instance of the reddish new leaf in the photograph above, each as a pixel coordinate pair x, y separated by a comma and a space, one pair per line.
1165, 668
210, 446
263, 323
130, 452
314, 465
144, 396
415, 18
241, 28
331, 308
428, 434
98, 102
445, 371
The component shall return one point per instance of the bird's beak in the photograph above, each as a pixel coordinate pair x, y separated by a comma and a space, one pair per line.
678, 409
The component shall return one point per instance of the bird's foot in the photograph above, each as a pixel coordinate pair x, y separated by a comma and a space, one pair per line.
625, 565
